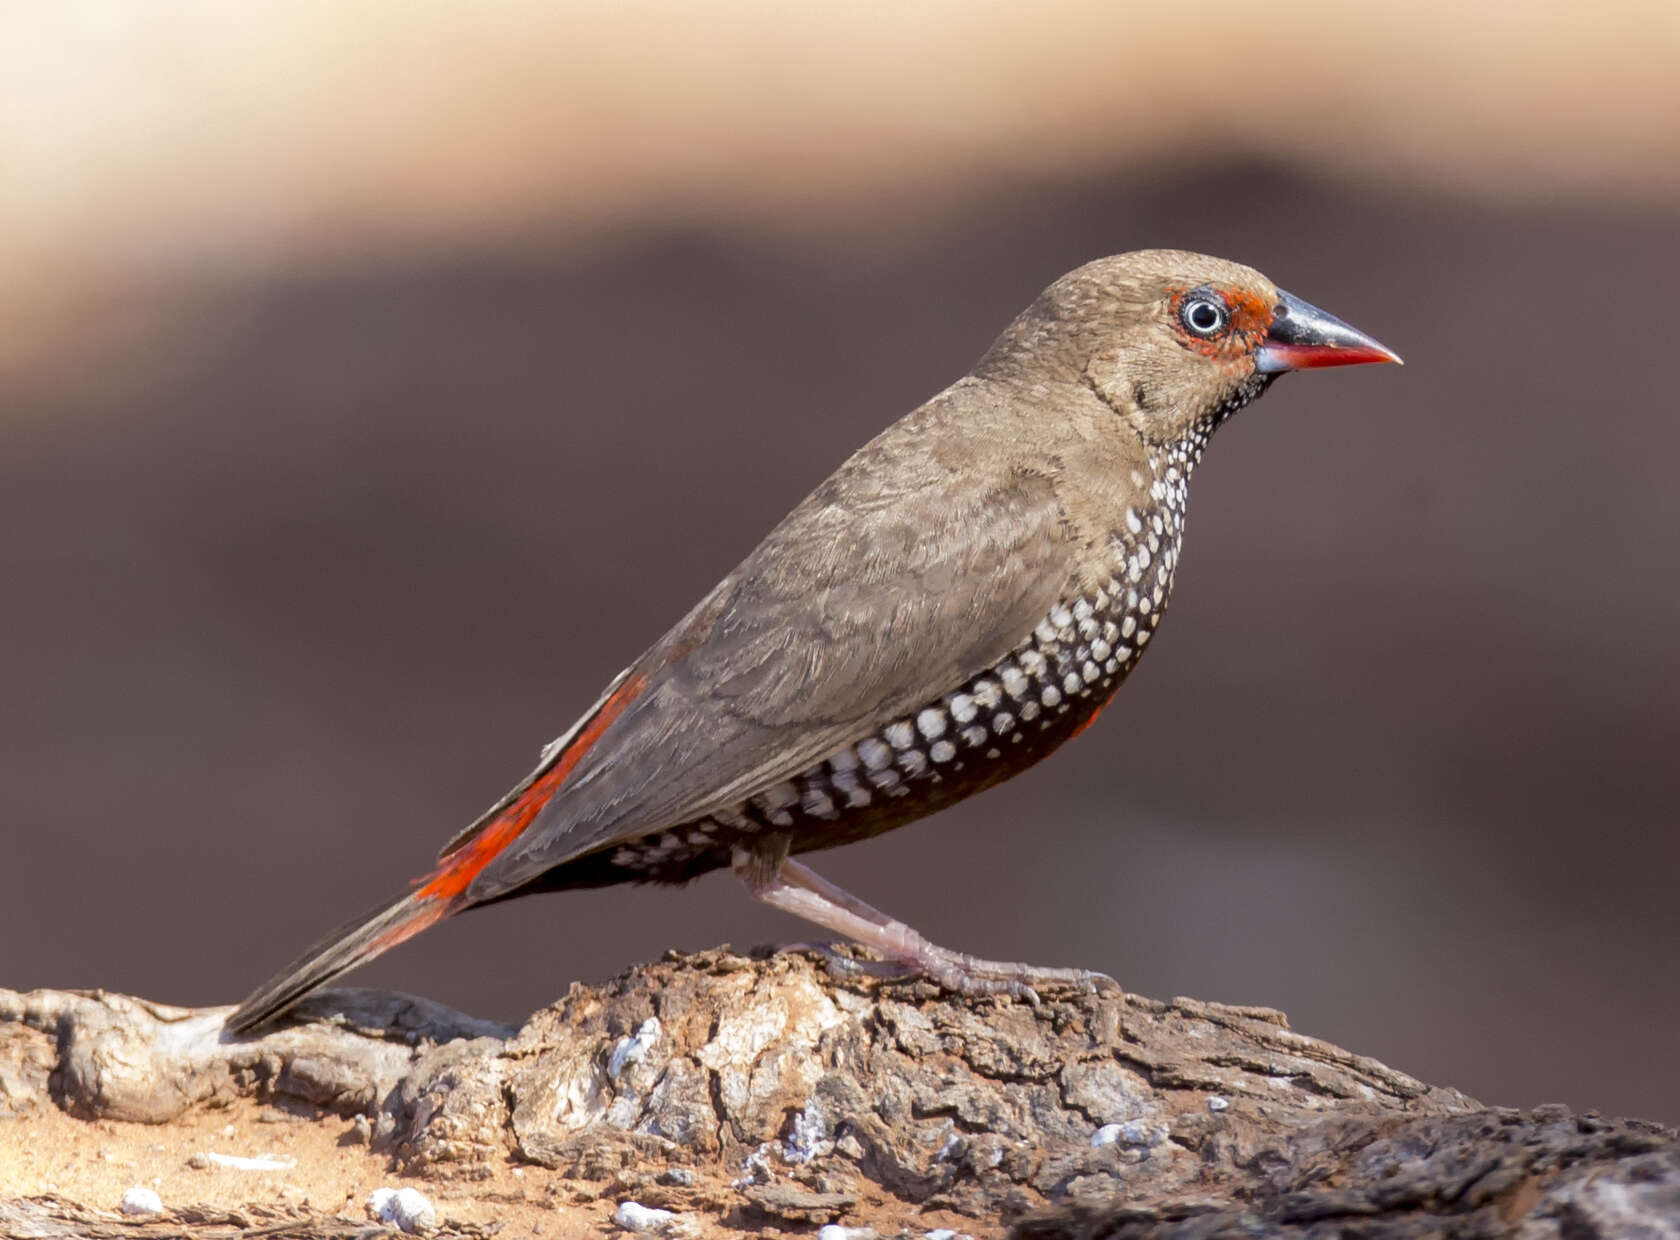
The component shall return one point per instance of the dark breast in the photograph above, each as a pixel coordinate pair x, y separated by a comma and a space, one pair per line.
973, 736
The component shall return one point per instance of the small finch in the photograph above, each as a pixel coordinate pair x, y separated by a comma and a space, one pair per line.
955, 601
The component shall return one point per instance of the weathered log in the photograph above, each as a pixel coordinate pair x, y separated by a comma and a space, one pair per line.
772, 1094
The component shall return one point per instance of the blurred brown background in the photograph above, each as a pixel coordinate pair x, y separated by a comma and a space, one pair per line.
377, 379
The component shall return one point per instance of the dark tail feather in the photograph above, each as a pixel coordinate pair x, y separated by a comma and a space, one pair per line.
445, 889
350, 945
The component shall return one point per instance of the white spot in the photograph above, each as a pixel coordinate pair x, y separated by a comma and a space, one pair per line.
931, 723
833, 1231
141, 1200
1051, 696
876, 756
847, 782
1029, 711
406, 1207
1216, 1103
1002, 722
633, 1216
233, 1162
1014, 682
777, 797
1071, 683
1082, 609
913, 762
1143, 638
818, 804
973, 736
884, 778
900, 735
1144, 605
1112, 666
843, 760
811, 1136
1132, 522
1089, 671
1129, 626
987, 694
1100, 650
994, 752
1060, 616
1111, 632
1143, 556
634, 1049
1045, 633
942, 751
1088, 629
1032, 663
962, 707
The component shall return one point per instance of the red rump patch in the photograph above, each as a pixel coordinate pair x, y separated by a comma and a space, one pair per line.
451, 878
1089, 720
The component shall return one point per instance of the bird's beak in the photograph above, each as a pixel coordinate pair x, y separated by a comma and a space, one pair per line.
1303, 337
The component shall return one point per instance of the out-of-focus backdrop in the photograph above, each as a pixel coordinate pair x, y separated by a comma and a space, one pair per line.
377, 379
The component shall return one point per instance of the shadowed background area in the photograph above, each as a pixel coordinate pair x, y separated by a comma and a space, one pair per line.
373, 387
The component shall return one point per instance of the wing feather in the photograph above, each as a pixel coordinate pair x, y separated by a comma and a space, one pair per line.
904, 574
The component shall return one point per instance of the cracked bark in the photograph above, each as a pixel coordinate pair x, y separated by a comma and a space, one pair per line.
752, 1093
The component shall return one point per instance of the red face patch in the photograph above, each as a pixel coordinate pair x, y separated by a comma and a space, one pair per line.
1247, 315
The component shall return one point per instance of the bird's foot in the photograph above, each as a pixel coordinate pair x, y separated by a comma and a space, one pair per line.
969, 975
841, 963
795, 889
961, 974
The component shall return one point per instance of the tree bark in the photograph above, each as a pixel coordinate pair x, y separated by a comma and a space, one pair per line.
774, 1094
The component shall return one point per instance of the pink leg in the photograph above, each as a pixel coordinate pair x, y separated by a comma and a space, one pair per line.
795, 889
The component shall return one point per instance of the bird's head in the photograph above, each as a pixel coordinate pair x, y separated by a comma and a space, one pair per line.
1173, 342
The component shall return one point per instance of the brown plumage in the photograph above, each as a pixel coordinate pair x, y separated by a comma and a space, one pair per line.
950, 605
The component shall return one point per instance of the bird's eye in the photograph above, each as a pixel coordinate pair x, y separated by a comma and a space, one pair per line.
1203, 316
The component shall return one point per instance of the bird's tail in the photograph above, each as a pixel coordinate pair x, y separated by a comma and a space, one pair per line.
350, 945
449, 887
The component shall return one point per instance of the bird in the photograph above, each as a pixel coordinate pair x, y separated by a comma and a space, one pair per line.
962, 596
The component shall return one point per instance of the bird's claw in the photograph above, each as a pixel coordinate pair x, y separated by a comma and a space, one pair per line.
963, 975
841, 964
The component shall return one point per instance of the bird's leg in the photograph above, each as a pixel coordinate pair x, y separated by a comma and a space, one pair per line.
795, 889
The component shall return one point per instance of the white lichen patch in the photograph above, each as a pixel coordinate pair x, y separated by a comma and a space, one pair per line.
141, 1202
633, 1216
810, 1136
236, 1162
408, 1208
633, 1049
787, 1023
